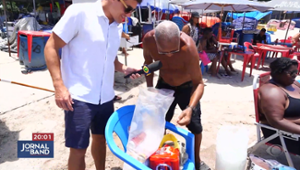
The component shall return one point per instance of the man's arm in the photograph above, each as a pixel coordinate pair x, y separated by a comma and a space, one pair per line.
125, 69
119, 66
126, 36
194, 71
148, 60
186, 29
51, 52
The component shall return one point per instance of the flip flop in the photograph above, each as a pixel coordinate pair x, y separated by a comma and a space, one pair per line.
204, 166
117, 98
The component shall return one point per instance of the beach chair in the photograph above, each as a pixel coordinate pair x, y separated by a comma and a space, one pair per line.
255, 56
119, 123
258, 81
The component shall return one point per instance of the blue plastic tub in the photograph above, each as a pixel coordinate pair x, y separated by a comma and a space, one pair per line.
37, 55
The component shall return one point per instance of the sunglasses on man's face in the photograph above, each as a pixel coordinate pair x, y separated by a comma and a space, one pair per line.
127, 8
171, 52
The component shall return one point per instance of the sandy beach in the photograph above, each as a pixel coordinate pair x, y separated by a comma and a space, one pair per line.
24, 110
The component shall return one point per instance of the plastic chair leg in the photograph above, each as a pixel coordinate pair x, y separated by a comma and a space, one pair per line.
246, 59
252, 64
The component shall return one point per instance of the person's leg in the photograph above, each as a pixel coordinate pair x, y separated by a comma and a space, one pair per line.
76, 159
77, 124
117, 98
213, 67
162, 85
195, 125
98, 133
225, 64
98, 150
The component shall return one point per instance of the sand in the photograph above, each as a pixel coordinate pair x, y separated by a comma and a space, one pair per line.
23, 110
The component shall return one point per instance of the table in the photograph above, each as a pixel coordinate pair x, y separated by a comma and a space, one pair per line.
220, 44
29, 35
247, 57
263, 49
226, 44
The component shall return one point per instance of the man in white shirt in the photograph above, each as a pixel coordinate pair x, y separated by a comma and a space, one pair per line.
89, 35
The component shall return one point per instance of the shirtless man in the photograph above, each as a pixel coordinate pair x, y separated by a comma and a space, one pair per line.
296, 40
180, 72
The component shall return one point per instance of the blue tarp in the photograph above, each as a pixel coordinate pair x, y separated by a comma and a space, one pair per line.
255, 14
160, 6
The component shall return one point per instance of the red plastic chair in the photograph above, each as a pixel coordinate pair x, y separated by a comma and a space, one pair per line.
286, 41
258, 81
225, 40
254, 57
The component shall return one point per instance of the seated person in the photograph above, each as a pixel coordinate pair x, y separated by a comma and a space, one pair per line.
127, 37
179, 21
279, 102
261, 37
208, 43
296, 40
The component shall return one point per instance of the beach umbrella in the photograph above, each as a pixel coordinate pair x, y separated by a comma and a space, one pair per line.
285, 5
227, 5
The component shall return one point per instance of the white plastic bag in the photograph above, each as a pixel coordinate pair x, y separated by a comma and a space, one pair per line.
148, 123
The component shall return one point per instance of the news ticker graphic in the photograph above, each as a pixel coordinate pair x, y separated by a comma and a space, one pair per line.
41, 146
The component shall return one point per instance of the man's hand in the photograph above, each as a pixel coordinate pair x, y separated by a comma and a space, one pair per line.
63, 98
129, 70
185, 117
127, 37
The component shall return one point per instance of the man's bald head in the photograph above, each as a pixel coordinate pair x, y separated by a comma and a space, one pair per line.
167, 32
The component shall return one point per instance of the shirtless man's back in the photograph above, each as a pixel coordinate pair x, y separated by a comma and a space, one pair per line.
180, 72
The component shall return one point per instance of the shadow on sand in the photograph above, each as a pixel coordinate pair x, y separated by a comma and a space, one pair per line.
8, 144
235, 79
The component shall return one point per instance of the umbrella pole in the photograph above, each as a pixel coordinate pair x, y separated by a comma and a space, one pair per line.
221, 17
288, 28
34, 23
4, 6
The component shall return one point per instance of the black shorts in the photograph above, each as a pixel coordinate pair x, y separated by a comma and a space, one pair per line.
292, 146
82, 119
182, 98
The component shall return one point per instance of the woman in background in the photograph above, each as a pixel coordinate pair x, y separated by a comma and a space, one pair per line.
279, 102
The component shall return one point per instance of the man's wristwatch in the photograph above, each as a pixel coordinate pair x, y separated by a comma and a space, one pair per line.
193, 108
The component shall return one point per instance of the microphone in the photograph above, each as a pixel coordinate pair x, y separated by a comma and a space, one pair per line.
147, 70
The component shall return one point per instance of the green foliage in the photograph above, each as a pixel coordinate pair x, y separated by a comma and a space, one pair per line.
11, 6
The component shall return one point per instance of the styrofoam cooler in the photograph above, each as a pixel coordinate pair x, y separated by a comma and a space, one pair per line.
231, 148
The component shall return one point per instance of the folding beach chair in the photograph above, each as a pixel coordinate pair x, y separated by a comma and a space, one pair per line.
258, 81
119, 123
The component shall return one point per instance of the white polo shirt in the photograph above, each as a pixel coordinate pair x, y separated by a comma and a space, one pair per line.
87, 62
